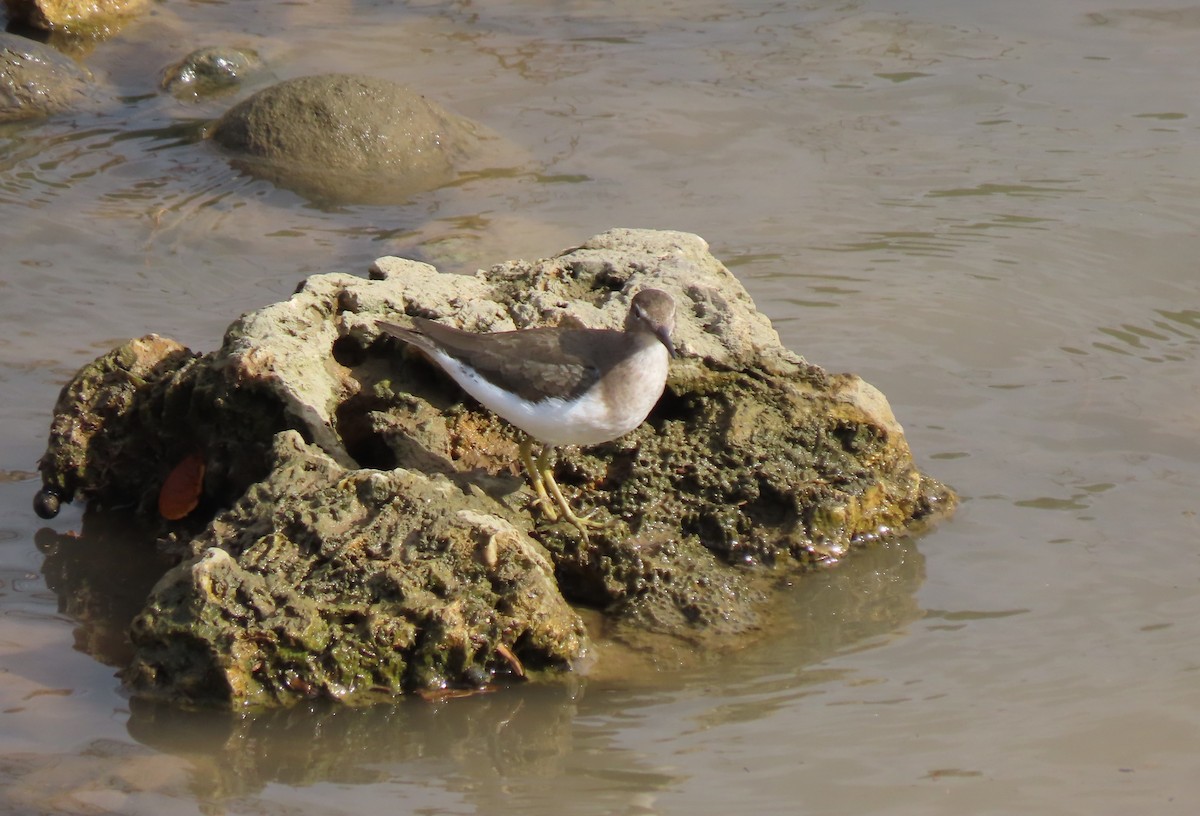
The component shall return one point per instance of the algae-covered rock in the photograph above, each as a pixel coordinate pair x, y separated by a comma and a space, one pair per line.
362, 527
97, 425
352, 585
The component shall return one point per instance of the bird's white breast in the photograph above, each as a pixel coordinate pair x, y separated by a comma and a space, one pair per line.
603, 413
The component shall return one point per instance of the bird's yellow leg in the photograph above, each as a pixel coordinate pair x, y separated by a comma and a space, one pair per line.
582, 523
535, 478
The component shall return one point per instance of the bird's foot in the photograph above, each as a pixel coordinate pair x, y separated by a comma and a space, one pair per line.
550, 496
566, 513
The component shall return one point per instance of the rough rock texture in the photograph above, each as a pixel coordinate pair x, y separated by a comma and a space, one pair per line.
372, 504
36, 80
90, 18
95, 432
360, 586
346, 138
127, 418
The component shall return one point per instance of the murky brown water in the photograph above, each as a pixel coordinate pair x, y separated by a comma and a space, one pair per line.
988, 210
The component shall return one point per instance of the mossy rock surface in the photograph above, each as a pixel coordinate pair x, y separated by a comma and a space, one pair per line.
352, 585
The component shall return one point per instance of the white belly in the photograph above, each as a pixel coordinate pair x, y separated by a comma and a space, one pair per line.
588, 421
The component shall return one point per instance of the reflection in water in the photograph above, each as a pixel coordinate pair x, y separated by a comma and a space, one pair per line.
946, 242
1171, 337
1043, 188
1080, 500
102, 576
526, 732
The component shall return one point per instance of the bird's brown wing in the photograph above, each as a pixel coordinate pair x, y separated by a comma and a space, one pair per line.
536, 363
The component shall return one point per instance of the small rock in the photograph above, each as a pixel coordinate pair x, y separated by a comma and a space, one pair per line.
209, 72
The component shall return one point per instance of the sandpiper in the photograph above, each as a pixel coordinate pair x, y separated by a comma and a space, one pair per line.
561, 385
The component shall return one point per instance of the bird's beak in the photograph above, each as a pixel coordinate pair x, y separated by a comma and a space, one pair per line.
664, 334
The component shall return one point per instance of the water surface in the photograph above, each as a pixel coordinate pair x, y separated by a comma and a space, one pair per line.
988, 210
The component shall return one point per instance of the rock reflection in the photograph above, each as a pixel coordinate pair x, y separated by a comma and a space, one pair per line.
101, 576
485, 737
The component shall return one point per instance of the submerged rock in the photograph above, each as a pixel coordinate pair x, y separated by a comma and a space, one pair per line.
361, 528
37, 80
210, 71
346, 138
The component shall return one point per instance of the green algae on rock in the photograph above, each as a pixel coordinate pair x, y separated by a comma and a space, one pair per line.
363, 532
351, 585
97, 419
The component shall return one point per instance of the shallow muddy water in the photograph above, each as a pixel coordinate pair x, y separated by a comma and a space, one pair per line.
988, 210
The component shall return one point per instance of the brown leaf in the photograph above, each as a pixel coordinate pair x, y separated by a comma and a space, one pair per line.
180, 492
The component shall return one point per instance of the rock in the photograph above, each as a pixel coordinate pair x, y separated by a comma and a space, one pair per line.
209, 72
351, 489
98, 414
81, 18
36, 80
346, 138
354, 586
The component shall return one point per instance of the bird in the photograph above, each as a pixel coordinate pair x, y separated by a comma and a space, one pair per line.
561, 385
